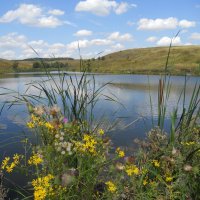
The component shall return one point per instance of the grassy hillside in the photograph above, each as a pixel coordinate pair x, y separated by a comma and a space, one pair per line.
144, 60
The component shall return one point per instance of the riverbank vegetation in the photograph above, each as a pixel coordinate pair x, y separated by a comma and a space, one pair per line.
183, 59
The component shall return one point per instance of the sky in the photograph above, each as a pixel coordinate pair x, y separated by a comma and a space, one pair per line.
60, 28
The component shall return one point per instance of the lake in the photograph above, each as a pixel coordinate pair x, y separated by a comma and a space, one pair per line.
132, 112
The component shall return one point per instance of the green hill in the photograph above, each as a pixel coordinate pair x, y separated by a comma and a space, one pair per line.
183, 59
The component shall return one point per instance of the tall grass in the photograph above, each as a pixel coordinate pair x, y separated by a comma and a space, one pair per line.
189, 116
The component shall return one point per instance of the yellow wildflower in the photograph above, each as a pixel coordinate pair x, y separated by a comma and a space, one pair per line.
120, 153
35, 119
30, 124
42, 187
48, 125
101, 132
111, 186
168, 178
35, 160
41, 123
16, 158
5, 162
9, 167
145, 182
132, 169
156, 163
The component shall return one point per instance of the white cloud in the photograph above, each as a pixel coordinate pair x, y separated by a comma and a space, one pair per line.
151, 39
56, 12
78, 44
100, 42
157, 24
121, 8
83, 32
165, 41
7, 54
103, 7
49, 22
186, 24
38, 44
117, 37
16, 46
98, 7
87, 43
195, 36
12, 40
32, 15
164, 24
117, 46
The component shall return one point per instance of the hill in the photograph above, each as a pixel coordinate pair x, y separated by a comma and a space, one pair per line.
142, 60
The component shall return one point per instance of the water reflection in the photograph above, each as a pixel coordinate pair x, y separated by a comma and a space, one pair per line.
131, 91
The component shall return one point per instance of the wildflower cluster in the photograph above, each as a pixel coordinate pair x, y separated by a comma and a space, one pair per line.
120, 153
36, 159
88, 145
132, 170
111, 186
9, 166
42, 187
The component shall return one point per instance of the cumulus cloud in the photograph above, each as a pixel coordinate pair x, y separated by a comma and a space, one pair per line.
151, 39
7, 54
83, 32
121, 8
12, 40
195, 36
164, 24
56, 12
87, 43
32, 15
165, 41
103, 7
17, 46
157, 24
123, 37
186, 24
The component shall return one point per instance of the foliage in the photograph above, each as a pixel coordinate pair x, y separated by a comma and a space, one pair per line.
57, 65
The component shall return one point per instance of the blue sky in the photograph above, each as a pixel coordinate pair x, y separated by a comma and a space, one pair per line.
56, 28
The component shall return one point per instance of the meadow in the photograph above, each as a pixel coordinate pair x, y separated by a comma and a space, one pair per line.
183, 59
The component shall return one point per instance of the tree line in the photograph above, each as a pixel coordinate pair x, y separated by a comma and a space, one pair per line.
56, 64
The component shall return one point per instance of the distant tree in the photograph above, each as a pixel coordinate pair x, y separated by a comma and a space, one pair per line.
15, 66
36, 65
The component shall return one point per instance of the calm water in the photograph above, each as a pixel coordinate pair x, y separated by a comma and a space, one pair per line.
131, 91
